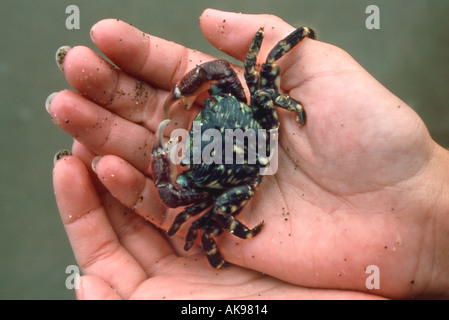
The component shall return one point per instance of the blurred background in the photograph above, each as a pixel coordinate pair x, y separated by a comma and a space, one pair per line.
408, 54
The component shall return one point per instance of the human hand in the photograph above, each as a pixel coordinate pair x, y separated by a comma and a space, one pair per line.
124, 257
353, 187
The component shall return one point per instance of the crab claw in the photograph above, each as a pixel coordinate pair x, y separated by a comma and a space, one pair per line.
159, 135
163, 170
199, 80
175, 95
187, 90
164, 173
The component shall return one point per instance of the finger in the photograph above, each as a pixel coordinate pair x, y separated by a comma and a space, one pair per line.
138, 193
86, 155
233, 32
310, 60
99, 81
140, 238
152, 59
126, 96
82, 152
129, 186
100, 130
94, 242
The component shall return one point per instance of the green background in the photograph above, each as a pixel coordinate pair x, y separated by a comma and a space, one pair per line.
408, 54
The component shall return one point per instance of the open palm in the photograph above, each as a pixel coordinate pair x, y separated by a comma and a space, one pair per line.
344, 196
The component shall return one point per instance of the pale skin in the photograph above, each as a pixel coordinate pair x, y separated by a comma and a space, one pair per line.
361, 184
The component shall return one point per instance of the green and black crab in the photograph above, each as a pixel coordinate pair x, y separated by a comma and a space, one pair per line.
223, 189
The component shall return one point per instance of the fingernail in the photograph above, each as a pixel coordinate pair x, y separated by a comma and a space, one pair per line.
48, 101
60, 55
91, 33
94, 163
60, 154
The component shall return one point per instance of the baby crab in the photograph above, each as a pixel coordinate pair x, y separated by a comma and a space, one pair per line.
223, 188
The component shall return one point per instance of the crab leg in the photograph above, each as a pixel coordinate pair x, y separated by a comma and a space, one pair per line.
222, 217
188, 213
286, 44
270, 71
235, 227
210, 247
251, 74
266, 94
164, 174
196, 226
199, 80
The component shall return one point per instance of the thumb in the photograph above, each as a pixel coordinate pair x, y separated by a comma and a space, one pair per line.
233, 32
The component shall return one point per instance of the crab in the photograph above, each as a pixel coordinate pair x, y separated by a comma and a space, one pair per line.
222, 190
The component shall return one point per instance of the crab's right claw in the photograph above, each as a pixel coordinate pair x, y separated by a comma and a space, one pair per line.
164, 173
199, 80
162, 169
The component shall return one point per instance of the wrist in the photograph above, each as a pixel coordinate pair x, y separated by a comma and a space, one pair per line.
437, 257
